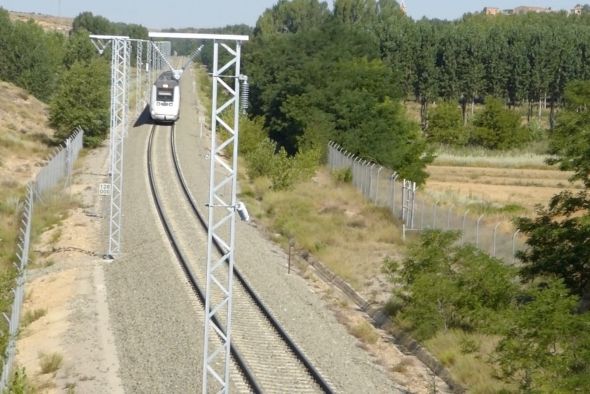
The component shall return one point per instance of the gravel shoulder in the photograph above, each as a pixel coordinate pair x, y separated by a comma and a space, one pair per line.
67, 283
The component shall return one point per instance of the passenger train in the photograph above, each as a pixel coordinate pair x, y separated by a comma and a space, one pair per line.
165, 98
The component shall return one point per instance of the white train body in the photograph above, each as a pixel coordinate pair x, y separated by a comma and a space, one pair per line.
165, 98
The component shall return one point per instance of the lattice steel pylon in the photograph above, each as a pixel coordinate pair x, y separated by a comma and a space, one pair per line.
120, 65
222, 215
222, 206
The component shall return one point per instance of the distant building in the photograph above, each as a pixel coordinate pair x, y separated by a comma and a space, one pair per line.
491, 11
526, 10
577, 10
403, 7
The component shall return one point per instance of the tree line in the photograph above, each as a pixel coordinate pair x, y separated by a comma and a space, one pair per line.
318, 74
64, 71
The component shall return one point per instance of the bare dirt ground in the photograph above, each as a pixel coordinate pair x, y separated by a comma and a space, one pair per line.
67, 283
23, 128
47, 22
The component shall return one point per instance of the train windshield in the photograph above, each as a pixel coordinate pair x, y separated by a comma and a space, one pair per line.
164, 95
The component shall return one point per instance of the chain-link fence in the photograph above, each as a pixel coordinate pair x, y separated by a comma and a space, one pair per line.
385, 187
57, 172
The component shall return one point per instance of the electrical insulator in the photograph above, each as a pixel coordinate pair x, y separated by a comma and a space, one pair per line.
244, 94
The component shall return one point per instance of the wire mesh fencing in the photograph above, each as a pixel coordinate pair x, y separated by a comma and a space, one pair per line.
57, 172
386, 188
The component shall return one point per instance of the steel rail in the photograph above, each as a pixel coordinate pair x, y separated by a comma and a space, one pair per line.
313, 372
246, 371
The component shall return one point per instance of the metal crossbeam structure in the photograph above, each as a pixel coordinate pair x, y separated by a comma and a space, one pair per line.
162, 49
222, 205
120, 65
222, 214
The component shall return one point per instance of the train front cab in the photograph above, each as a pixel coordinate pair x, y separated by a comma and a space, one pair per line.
165, 102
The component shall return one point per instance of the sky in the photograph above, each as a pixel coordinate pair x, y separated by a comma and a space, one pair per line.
201, 13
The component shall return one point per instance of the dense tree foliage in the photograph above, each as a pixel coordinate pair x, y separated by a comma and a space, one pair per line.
63, 71
448, 286
559, 237
544, 345
445, 125
96, 24
83, 100
497, 127
310, 88
521, 59
30, 57
78, 48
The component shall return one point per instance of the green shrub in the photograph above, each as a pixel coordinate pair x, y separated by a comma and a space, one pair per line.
445, 125
19, 383
497, 127
343, 175
83, 99
283, 170
450, 286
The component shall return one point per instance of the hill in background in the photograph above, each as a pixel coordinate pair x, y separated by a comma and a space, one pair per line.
47, 22
25, 135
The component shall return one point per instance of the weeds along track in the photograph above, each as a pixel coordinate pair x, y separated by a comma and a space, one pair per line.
268, 360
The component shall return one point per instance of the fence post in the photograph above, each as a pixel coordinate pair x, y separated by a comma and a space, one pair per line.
377, 189
355, 172
433, 215
514, 245
463, 227
422, 216
403, 201
366, 182
494, 244
477, 231
371, 180
449, 219
413, 204
359, 170
393, 179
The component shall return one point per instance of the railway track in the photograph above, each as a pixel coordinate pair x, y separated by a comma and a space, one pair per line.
268, 360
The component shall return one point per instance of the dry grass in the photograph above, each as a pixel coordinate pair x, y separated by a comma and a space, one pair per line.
33, 315
365, 332
23, 137
468, 357
50, 212
333, 223
532, 158
50, 363
461, 186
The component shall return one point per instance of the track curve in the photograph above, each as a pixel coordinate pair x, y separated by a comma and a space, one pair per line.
274, 362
